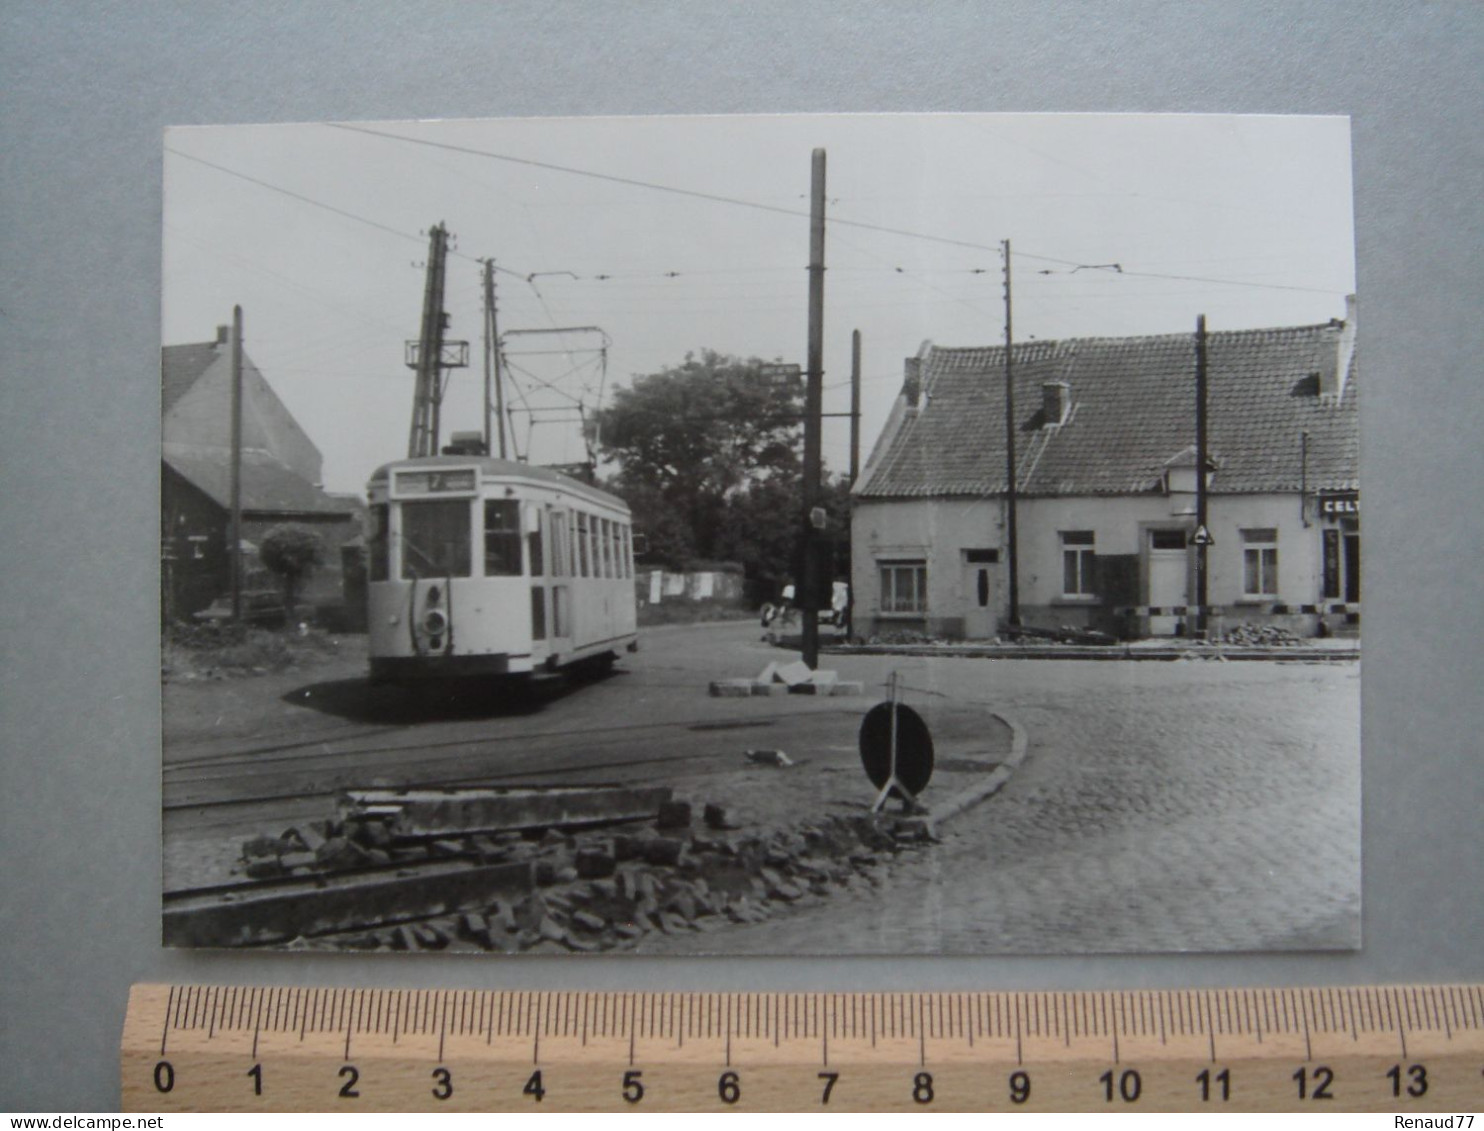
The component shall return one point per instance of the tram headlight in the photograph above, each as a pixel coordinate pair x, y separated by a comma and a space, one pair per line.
435, 623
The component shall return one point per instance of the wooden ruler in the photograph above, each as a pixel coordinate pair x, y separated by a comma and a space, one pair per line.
1416, 1049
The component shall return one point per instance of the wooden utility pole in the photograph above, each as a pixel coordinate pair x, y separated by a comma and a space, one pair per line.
1203, 537
1011, 539
234, 526
813, 403
492, 364
855, 406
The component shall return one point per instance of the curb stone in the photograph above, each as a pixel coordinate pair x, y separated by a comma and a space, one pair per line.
966, 799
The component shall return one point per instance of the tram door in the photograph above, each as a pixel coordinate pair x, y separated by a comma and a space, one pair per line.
1169, 579
558, 522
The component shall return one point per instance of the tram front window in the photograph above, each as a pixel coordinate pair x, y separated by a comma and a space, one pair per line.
435, 539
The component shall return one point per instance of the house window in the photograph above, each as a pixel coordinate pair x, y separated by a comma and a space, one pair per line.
1077, 561
904, 587
435, 539
501, 538
1260, 562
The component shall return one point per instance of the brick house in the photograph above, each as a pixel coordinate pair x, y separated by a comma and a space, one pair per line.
281, 470
1106, 484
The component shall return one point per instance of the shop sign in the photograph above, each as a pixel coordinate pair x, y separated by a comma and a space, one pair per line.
1342, 504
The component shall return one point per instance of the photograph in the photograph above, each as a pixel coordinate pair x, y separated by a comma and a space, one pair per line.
817, 534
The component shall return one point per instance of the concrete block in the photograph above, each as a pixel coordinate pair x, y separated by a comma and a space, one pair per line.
550, 929
765, 689
627, 848
674, 815
794, 674
731, 688
261, 846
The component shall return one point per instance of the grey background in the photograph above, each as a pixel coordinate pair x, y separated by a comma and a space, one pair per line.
88, 89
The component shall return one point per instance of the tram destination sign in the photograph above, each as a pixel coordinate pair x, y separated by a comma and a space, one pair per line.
453, 481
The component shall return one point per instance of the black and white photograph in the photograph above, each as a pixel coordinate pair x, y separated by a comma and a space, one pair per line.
761, 535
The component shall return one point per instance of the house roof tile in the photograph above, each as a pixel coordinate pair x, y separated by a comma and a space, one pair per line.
268, 485
1132, 411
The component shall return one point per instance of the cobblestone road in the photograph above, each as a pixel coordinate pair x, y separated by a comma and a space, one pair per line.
1162, 806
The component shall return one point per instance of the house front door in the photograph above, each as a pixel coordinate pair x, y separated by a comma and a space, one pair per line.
1169, 580
981, 594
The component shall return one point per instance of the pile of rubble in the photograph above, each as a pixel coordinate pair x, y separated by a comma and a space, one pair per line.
599, 889
1262, 636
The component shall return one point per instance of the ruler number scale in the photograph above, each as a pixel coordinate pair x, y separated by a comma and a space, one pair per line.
1405, 1049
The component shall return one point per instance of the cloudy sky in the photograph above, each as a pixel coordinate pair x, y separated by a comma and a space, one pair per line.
673, 235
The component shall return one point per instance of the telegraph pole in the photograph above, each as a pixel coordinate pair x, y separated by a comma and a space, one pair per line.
813, 404
1012, 542
423, 438
1203, 536
234, 526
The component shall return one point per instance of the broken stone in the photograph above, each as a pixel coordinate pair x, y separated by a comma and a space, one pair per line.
338, 852
603, 889
308, 836
265, 868
473, 925
627, 848
260, 846
629, 931
577, 942
429, 937
787, 891
716, 817
446, 848
301, 859
663, 851
769, 758
595, 863
587, 921
674, 815
549, 928
371, 834
529, 913
403, 938
566, 874
684, 905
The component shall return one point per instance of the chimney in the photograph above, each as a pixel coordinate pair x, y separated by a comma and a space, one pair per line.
1334, 384
1056, 399
222, 333
912, 383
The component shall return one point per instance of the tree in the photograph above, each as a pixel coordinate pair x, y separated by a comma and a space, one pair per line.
689, 438
292, 552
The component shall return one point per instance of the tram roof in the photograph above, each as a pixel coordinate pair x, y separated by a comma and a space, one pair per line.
491, 468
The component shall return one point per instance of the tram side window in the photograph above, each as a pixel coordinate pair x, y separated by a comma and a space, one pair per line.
582, 545
606, 545
558, 527
628, 551
378, 543
501, 538
533, 540
435, 539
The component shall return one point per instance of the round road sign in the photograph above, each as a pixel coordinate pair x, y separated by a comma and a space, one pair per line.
914, 748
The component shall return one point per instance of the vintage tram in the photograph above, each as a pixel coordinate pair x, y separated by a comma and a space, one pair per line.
486, 567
